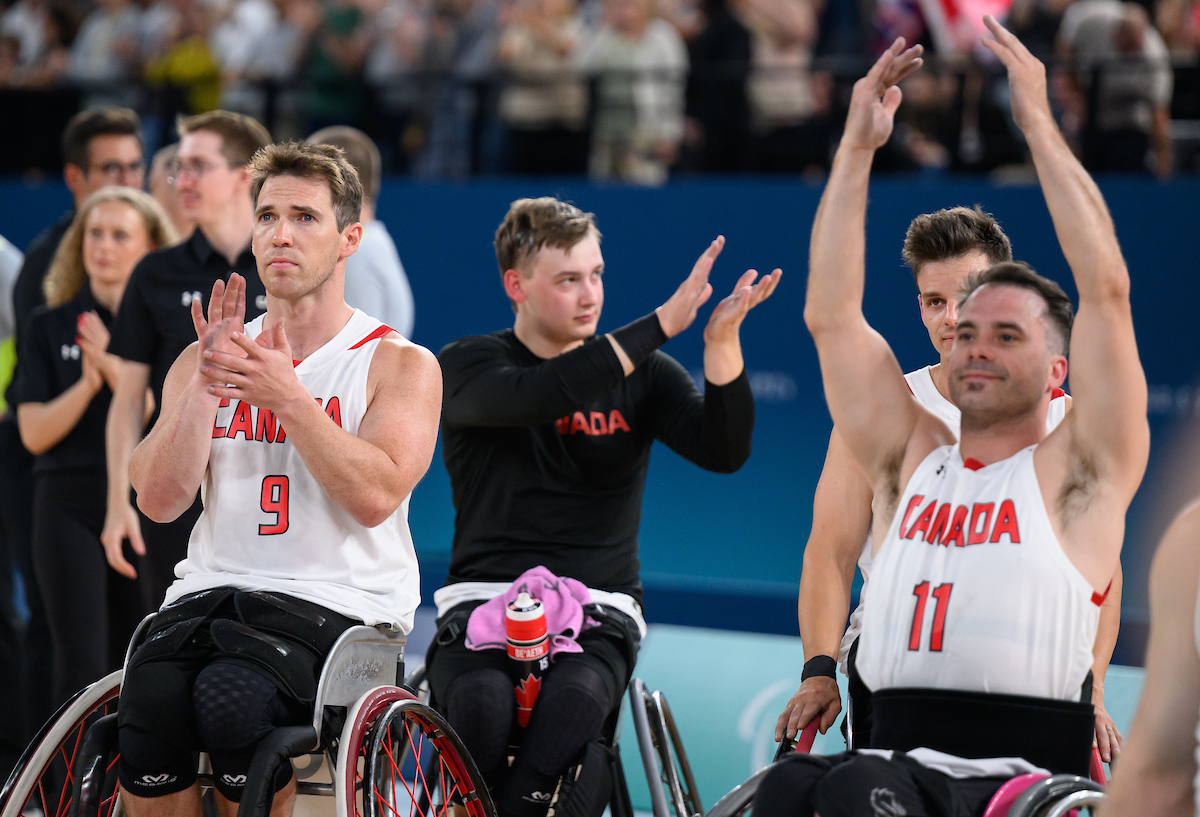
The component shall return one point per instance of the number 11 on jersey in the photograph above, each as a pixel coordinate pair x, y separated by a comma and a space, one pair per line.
942, 595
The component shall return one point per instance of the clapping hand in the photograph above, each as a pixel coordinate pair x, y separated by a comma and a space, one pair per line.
728, 315
875, 99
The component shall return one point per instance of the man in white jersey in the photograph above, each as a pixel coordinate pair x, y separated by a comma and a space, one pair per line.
307, 430
941, 249
992, 554
1158, 771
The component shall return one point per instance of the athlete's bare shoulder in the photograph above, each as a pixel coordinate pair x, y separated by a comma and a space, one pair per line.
402, 363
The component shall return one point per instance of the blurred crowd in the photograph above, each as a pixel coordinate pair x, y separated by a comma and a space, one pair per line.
626, 89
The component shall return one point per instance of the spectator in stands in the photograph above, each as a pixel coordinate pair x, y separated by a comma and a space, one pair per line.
25, 20
154, 323
186, 64
1124, 78
401, 28
1179, 23
332, 67
164, 192
62, 394
259, 41
375, 279
543, 105
641, 64
10, 47
718, 108
105, 52
787, 101
50, 67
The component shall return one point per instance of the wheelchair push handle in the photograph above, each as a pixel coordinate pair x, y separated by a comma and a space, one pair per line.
802, 743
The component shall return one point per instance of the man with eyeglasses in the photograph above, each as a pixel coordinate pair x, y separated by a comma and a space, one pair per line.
101, 147
154, 323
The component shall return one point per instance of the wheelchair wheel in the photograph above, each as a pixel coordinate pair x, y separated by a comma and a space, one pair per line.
398, 756
668, 773
45, 776
739, 799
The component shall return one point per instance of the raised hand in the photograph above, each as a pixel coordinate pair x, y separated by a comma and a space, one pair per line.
728, 315
680, 309
262, 375
1026, 75
875, 99
226, 315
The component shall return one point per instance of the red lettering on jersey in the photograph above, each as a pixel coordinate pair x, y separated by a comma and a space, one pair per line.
599, 423
319, 401
912, 506
241, 422
955, 534
219, 431
280, 435
981, 520
922, 523
334, 409
563, 424
579, 423
1006, 522
264, 426
939, 524
616, 421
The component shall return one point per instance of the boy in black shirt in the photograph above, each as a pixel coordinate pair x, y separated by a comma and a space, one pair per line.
546, 435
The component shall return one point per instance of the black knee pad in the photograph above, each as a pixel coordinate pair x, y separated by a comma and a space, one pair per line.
151, 767
230, 769
481, 707
569, 713
235, 707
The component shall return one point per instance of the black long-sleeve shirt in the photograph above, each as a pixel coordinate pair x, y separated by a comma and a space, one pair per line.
548, 458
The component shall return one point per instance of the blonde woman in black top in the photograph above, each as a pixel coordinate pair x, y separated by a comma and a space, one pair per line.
62, 394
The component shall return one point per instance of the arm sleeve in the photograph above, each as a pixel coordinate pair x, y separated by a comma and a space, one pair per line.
483, 387
134, 336
32, 383
712, 430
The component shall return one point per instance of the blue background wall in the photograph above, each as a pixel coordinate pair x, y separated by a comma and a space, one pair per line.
726, 550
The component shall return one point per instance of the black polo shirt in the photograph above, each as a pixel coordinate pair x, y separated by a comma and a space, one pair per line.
27, 290
154, 323
50, 364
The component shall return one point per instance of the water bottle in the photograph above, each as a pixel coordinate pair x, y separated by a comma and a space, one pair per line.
529, 648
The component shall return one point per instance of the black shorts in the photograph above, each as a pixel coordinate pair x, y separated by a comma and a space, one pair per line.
851, 784
279, 636
610, 649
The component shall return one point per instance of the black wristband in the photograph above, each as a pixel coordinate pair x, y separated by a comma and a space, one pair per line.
640, 338
819, 665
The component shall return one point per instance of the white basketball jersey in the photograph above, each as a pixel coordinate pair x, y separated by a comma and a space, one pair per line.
971, 589
920, 383
268, 525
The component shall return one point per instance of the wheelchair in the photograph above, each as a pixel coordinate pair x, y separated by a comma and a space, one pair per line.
372, 747
1028, 795
673, 790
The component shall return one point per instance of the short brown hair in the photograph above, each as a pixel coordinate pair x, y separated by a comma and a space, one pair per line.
531, 224
1059, 311
241, 136
67, 274
950, 233
85, 126
360, 151
308, 161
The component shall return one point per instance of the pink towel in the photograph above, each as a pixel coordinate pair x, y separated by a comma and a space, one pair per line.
562, 600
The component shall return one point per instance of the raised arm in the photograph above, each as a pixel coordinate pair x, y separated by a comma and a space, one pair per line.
1159, 762
1109, 437
864, 386
840, 526
483, 389
168, 466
